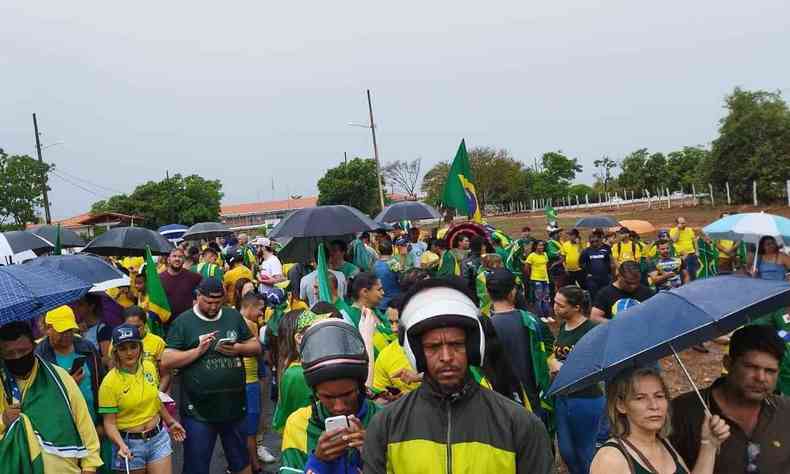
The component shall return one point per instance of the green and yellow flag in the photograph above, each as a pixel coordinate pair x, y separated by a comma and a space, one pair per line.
157, 298
459, 189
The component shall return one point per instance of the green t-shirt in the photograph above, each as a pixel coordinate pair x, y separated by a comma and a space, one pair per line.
563, 345
212, 385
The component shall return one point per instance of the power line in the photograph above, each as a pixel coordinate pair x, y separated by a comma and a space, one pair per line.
89, 183
102, 195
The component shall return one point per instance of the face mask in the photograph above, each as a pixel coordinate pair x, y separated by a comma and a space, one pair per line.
21, 366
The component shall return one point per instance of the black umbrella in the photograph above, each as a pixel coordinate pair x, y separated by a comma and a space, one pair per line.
206, 230
323, 221
17, 246
68, 238
129, 242
89, 268
596, 222
304, 249
407, 210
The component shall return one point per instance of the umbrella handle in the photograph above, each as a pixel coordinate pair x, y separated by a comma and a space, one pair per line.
691, 381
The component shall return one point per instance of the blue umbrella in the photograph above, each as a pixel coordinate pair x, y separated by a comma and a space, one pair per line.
27, 291
89, 268
668, 322
596, 222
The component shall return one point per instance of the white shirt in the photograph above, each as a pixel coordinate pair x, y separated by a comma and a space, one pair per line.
270, 267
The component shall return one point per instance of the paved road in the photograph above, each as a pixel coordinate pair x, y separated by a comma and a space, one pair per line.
218, 462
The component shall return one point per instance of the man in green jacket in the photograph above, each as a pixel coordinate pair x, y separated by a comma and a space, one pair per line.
451, 424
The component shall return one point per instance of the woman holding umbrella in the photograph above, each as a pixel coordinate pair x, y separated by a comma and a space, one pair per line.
638, 411
771, 263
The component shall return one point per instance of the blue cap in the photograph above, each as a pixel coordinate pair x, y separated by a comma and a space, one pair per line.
125, 333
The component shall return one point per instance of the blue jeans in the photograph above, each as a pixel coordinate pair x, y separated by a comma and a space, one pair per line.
577, 429
199, 445
542, 294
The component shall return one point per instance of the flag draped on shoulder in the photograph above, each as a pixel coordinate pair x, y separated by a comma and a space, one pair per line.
459, 190
324, 293
157, 298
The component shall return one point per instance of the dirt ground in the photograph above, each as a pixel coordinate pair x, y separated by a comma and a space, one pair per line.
696, 216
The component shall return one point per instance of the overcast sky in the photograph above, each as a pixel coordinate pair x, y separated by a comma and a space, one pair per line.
249, 91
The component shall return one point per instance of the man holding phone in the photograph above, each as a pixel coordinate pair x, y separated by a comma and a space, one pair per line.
326, 436
76, 355
206, 344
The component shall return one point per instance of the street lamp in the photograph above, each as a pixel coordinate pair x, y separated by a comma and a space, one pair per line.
372, 126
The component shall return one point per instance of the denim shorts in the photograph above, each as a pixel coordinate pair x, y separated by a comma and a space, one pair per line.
253, 418
144, 451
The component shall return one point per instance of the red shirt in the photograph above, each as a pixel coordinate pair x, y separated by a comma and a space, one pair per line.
180, 290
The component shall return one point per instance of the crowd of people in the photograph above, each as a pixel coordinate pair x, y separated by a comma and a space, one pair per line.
430, 352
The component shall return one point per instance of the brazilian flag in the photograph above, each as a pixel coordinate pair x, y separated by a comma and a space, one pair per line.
459, 189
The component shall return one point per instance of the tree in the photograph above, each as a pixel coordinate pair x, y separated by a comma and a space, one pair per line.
177, 199
20, 182
495, 173
555, 175
682, 167
405, 175
353, 184
633, 169
605, 166
433, 182
753, 144
581, 190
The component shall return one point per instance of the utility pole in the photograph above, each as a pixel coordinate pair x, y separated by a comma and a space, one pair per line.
47, 214
375, 151
345, 157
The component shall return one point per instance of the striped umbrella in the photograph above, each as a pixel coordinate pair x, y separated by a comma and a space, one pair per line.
750, 227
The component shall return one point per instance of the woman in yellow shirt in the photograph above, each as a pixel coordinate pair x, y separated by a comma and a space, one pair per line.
133, 413
536, 268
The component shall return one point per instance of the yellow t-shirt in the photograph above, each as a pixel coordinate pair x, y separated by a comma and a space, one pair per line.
538, 267
390, 361
626, 252
727, 246
684, 240
231, 277
134, 398
571, 252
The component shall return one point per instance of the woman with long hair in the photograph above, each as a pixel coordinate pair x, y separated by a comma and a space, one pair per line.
579, 413
771, 263
241, 288
638, 410
293, 392
133, 414
536, 269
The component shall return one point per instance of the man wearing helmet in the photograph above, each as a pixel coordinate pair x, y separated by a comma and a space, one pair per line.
335, 365
450, 423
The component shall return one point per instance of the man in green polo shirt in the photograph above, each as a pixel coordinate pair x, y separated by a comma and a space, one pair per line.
206, 344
